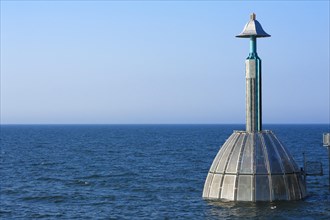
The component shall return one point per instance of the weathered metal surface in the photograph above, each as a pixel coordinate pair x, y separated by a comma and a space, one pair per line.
254, 166
326, 139
253, 95
253, 28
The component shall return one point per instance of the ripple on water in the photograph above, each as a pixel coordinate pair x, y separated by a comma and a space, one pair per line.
137, 172
45, 198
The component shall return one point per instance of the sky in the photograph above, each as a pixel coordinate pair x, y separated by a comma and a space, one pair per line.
160, 62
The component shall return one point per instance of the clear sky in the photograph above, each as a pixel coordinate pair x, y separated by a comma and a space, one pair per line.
116, 62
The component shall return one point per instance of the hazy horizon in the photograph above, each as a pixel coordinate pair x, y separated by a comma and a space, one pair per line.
240, 124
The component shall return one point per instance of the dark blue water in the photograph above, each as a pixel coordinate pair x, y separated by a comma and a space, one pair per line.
138, 172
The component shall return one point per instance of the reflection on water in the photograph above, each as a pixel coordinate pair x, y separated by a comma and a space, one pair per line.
304, 209
230, 210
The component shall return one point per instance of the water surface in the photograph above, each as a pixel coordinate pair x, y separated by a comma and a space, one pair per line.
138, 172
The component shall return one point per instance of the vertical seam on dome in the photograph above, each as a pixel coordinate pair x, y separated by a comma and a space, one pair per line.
302, 191
292, 166
225, 146
224, 171
210, 184
241, 152
239, 164
266, 157
291, 160
297, 181
231, 153
281, 164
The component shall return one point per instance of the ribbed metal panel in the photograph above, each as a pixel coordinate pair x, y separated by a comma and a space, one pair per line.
254, 166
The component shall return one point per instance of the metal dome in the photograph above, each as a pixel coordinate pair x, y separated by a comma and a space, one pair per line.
253, 28
254, 166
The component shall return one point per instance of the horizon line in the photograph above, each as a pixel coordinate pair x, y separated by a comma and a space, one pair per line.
315, 123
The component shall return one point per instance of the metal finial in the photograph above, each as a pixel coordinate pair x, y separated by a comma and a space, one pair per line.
253, 29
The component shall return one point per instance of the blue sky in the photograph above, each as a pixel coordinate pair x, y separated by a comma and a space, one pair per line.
160, 62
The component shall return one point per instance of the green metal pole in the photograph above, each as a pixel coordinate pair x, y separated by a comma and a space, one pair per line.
253, 47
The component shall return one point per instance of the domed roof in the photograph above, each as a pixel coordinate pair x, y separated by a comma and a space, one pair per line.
254, 166
253, 28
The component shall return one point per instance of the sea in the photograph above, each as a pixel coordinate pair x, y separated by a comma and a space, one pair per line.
140, 172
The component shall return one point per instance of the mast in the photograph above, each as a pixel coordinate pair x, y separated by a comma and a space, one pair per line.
253, 30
